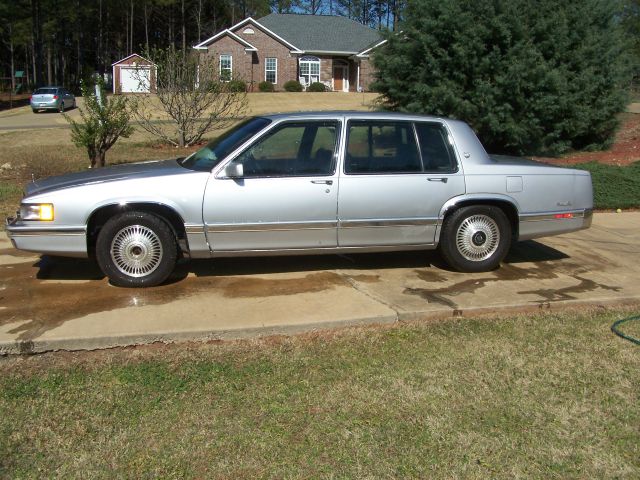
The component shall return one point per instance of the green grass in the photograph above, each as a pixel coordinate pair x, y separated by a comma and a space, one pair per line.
548, 396
8, 190
614, 186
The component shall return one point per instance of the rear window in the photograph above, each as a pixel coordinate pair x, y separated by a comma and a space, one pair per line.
381, 147
46, 91
436, 149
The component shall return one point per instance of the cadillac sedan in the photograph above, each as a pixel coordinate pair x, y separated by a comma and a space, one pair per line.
308, 183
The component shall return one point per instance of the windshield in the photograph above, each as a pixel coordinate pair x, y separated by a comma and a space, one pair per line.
46, 91
208, 157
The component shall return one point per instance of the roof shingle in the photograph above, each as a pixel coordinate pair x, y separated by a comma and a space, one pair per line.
321, 33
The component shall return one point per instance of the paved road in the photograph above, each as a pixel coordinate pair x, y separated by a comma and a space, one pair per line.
67, 304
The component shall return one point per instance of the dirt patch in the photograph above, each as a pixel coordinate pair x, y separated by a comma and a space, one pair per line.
624, 151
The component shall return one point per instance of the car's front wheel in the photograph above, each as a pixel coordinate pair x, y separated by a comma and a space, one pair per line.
475, 238
136, 249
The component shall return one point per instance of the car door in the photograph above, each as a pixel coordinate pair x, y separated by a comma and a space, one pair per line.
282, 195
396, 177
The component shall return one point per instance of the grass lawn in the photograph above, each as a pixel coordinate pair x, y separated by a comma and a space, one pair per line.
546, 396
614, 186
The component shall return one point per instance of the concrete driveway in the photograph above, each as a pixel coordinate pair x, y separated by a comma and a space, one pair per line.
49, 303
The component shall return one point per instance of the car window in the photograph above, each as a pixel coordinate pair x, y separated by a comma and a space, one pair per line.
293, 149
208, 157
381, 147
45, 91
437, 151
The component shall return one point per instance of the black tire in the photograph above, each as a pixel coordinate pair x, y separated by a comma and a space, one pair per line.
34, 110
475, 238
61, 109
136, 249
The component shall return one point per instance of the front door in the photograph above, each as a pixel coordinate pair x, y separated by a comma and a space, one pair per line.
286, 197
340, 78
397, 176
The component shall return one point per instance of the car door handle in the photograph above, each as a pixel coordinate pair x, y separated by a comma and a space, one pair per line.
322, 182
438, 179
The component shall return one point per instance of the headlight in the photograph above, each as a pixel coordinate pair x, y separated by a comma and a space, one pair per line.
37, 211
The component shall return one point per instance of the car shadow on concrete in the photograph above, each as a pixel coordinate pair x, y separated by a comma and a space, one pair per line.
521, 252
79, 269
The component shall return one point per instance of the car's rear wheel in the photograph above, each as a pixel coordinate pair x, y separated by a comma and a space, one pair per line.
136, 249
475, 238
61, 107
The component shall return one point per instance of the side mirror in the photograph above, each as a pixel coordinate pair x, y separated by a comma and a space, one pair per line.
234, 170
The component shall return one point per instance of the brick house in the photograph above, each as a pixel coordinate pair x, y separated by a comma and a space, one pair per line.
309, 48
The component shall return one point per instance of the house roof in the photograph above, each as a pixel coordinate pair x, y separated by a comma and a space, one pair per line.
229, 33
131, 56
321, 33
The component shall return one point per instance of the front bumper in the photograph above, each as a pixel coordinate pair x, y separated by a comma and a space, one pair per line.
65, 241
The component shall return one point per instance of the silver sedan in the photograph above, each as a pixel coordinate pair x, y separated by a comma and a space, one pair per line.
52, 98
306, 183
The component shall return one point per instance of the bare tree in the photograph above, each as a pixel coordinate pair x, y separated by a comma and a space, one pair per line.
190, 98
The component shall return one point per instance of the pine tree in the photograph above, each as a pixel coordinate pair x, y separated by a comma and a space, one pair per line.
530, 77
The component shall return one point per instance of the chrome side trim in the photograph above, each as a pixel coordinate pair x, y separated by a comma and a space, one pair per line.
32, 232
321, 250
194, 229
403, 222
270, 227
541, 217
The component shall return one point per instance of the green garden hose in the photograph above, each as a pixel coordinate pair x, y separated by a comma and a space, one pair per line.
614, 329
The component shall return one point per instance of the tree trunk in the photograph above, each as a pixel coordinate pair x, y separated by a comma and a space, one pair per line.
146, 27
184, 31
199, 20
49, 73
13, 65
131, 29
37, 41
26, 68
33, 59
99, 56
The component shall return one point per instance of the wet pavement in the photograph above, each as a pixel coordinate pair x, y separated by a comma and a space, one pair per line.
56, 303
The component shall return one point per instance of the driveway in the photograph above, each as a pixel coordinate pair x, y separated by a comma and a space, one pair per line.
23, 118
49, 303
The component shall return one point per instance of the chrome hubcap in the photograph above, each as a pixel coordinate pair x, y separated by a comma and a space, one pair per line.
136, 250
477, 238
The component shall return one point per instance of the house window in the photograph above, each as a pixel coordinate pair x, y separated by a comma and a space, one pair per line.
271, 70
226, 64
309, 70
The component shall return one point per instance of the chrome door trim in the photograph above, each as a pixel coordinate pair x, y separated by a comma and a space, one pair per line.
270, 227
396, 222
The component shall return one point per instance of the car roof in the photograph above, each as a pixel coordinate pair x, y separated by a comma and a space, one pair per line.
352, 114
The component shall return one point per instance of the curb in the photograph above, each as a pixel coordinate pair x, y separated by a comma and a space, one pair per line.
97, 343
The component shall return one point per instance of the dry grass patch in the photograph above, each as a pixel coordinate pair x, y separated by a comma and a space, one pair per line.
552, 395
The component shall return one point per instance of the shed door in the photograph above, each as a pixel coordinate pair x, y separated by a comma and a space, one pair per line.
134, 79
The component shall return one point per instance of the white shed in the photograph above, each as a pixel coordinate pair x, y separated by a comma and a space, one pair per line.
134, 74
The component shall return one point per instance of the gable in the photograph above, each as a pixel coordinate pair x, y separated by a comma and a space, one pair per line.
238, 28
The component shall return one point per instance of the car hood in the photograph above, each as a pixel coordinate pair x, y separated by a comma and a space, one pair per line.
108, 174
